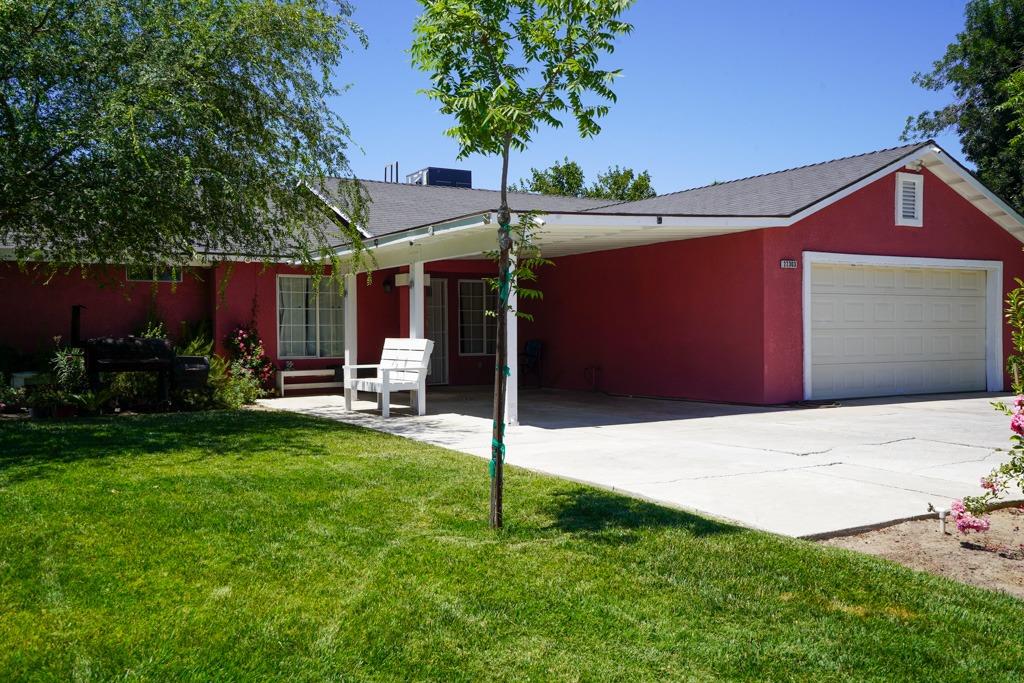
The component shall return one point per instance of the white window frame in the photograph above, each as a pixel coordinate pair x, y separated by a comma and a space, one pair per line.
458, 303
176, 274
277, 321
918, 181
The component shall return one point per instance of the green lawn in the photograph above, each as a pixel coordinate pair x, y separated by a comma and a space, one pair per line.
244, 545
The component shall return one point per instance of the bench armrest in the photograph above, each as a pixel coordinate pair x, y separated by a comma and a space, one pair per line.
358, 367
411, 368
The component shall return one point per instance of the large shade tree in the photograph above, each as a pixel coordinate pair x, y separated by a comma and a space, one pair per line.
148, 132
981, 69
502, 69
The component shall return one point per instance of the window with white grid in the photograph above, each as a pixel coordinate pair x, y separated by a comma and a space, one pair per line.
310, 320
477, 330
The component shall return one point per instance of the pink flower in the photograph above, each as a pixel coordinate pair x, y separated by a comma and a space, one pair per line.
1018, 402
1017, 423
989, 483
965, 521
969, 523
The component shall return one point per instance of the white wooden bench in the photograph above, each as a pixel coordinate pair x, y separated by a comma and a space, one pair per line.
282, 375
403, 367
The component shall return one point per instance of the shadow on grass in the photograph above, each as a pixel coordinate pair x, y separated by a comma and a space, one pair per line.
33, 447
595, 513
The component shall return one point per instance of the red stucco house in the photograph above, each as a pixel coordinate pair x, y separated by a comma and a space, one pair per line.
872, 275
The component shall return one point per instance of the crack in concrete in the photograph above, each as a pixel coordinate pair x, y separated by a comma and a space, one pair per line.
991, 453
801, 454
737, 474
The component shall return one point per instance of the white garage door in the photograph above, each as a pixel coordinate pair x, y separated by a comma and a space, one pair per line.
882, 331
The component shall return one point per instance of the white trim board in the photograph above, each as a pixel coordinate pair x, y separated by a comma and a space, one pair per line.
993, 302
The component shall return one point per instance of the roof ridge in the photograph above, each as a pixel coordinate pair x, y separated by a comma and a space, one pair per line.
785, 170
471, 189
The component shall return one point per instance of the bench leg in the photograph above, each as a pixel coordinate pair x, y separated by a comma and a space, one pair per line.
420, 397
385, 403
348, 398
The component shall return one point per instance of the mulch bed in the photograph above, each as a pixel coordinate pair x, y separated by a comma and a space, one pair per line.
994, 559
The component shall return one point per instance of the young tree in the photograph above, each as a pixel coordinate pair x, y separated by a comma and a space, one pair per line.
566, 178
142, 132
502, 68
976, 67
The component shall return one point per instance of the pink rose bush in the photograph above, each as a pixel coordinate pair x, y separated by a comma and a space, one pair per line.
965, 521
968, 513
247, 351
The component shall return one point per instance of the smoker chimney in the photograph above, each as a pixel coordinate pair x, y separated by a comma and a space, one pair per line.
441, 177
76, 324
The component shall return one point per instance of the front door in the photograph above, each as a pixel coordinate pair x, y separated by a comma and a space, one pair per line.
437, 330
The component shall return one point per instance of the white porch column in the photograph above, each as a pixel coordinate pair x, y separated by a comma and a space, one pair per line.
351, 320
351, 331
417, 304
512, 339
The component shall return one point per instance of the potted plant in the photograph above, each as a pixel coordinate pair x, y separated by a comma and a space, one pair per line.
42, 401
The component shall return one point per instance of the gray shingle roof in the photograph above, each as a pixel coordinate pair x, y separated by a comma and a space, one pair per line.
399, 206
782, 193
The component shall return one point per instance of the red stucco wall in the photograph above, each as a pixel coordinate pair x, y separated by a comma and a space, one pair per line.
680, 319
36, 307
717, 318
864, 223
713, 318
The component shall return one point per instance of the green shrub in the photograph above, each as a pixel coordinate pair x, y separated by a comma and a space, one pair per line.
68, 364
11, 398
238, 387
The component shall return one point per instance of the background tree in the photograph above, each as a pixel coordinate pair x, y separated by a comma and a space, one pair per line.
566, 178
145, 132
502, 68
988, 52
622, 184
1014, 87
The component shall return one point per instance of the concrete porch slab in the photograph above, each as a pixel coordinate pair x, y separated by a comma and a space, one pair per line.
796, 471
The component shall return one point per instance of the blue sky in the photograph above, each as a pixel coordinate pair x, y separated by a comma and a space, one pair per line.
711, 90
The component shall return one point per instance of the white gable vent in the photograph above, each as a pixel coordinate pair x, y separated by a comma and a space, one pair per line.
909, 199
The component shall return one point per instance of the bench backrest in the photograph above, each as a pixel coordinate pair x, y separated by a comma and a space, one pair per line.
406, 353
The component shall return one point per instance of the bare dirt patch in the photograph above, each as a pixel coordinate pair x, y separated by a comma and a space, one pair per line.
994, 559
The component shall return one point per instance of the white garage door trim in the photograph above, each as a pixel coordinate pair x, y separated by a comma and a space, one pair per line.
993, 302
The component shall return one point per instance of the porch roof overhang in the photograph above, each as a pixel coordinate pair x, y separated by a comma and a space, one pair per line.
558, 234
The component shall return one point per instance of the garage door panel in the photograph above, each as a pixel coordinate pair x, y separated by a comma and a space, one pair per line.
838, 311
881, 379
861, 346
879, 331
886, 280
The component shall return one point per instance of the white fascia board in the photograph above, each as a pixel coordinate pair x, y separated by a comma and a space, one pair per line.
649, 221
337, 210
968, 178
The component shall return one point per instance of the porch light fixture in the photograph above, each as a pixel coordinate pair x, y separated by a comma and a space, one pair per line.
388, 284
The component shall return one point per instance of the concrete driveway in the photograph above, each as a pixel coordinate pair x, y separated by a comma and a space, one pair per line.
794, 471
